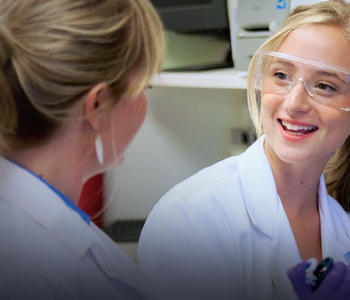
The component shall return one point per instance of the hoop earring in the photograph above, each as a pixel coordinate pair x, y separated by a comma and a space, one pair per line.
99, 149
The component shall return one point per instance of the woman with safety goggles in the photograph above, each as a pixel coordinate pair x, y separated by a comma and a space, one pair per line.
233, 230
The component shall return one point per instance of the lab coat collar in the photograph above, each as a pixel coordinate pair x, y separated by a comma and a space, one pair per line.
285, 254
39, 202
261, 198
335, 226
263, 203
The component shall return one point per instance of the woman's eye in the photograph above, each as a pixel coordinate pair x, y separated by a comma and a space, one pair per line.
280, 75
326, 87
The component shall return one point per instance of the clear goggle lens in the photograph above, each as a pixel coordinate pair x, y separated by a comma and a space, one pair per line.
278, 73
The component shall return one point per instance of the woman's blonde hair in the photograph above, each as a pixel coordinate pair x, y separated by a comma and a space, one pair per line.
336, 13
52, 52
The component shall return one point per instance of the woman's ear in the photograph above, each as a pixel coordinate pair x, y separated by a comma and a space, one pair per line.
95, 99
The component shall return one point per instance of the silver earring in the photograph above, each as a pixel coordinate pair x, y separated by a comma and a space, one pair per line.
99, 149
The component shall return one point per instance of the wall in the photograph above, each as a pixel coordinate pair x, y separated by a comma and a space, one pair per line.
186, 129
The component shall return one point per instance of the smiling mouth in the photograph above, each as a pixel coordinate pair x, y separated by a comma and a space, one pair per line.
297, 129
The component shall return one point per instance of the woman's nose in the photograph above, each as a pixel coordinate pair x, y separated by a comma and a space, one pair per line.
298, 98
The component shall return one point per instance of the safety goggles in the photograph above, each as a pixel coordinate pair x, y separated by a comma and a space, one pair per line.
278, 73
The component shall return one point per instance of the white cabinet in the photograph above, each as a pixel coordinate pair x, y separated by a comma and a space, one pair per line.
216, 79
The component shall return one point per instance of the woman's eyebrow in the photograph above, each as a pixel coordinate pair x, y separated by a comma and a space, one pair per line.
329, 73
282, 62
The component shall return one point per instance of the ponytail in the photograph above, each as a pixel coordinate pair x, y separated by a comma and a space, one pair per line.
52, 52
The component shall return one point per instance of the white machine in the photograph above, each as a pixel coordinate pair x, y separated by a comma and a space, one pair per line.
251, 22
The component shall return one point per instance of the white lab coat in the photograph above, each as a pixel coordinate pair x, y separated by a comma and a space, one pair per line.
223, 234
48, 251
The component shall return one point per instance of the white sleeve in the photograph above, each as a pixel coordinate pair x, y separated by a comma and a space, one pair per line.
188, 251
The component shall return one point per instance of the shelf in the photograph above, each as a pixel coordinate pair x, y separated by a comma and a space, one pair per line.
219, 79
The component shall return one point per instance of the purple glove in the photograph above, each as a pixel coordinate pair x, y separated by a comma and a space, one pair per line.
335, 286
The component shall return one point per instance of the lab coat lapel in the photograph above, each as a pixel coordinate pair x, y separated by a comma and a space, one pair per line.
36, 200
335, 226
284, 254
259, 188
267, 214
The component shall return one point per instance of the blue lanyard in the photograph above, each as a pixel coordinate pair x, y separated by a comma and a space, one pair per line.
64, 198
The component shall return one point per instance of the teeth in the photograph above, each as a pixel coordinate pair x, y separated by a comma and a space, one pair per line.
294, 127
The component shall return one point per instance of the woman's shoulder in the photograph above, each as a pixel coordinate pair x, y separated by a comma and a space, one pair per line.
214, 195
220, 182
205, 184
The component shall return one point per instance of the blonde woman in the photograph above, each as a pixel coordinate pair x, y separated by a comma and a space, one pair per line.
233, 230
72, 82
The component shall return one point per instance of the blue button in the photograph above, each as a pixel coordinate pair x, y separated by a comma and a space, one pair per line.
281, 4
